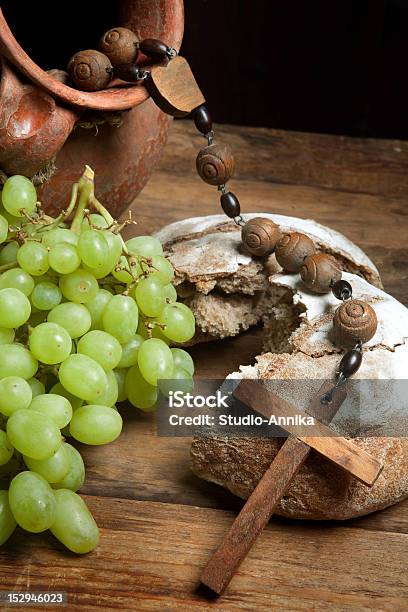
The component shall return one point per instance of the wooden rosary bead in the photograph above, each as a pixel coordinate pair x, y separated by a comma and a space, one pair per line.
156, 49
319, 272
350, 363
120, 45
260, 236
90, 70
342, 290
292, 249
127, 72
215, 164
202, 119
230, 205
354, 321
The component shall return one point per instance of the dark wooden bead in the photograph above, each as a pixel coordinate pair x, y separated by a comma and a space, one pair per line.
120, 45
350, 363
354, 321
202, 119
342, 290
319, 272
292, 249
90, 70
215, 164
230, 205
156, 49
127, 72
260, 236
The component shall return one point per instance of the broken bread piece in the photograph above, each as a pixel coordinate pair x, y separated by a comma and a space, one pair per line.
226, 288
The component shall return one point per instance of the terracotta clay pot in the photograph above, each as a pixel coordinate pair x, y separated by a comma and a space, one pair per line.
38, 116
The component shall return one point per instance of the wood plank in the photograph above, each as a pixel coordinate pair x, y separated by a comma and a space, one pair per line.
358, 165
151, 554
340, 451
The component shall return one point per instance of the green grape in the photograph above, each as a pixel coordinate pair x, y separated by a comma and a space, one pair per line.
8, 254
123, 273
93, 248
95, 424
15, 394
19, 194
32, 502
115, 246
16, 278
46, 296
130, 351
32, 257
56, 236
6, 335
180, 380
120, 318
75, 477
161, 268
83, 377
102, 347
183, 360
36, 386
120, 375
150, 296
139, 392
33, 434
146, 246
54, 469
155, 360
15, 308
74, 525
50, 343
55, 407
3, 229
110, 397
6, 450
7, 520
64, 258
179, 322
16, 360
170, 293
13, 222
79, 286
96, 306
75, 401
93, 220
75, 318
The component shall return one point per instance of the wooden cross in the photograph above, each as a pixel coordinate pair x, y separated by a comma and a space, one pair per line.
260, 506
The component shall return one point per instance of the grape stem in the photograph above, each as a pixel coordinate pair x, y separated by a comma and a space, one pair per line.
85, 189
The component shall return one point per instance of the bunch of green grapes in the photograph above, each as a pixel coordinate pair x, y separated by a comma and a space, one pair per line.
86, 321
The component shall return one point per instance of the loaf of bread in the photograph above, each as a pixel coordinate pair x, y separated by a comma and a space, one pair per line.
229, 291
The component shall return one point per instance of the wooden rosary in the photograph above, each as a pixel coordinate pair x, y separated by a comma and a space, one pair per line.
172, 86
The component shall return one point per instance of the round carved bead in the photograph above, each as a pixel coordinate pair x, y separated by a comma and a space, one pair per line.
319, 272
292, 249
260, 236
354, 321
215, 164
350, 363
230, 205
90, 70
120, 45
342, 290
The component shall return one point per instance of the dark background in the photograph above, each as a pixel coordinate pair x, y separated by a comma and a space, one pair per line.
335, 66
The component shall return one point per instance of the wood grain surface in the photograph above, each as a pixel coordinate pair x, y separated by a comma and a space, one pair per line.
159, 522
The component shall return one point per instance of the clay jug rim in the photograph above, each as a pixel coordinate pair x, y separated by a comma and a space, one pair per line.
112, 99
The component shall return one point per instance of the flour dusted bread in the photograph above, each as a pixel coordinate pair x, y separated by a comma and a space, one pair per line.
230, 291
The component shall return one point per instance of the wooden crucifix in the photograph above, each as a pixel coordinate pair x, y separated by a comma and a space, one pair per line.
260, 506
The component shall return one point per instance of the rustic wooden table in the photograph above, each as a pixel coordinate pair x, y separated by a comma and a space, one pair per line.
159, 523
